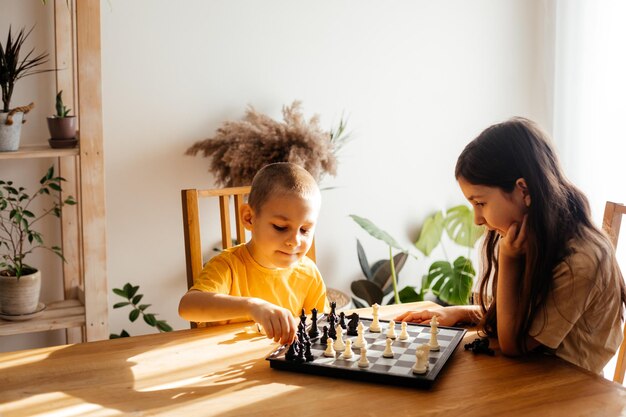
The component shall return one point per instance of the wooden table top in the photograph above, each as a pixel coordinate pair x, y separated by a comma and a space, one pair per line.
222, 371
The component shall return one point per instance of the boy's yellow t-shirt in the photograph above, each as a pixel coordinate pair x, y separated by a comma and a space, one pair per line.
235, 272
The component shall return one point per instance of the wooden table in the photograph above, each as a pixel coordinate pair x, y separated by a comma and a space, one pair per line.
222, 371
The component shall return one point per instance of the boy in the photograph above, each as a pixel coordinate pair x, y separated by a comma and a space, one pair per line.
268, 279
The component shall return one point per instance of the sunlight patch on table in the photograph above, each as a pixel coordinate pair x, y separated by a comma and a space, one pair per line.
54, 404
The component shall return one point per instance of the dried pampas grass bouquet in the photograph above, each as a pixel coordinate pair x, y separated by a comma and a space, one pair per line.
241, 148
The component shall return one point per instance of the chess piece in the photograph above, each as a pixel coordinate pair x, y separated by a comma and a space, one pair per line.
391, 332
347, 353
307, 351
433, 343
360, 340
404, 335
353, 324
375, 326
388, 352
333, 313
314, 331
300, 358
330, 351
332, 333
363, 362
339, 345
421, 360
303, 318
324, 335
291, 352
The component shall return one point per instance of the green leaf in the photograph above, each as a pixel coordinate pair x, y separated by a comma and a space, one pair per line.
376, 232
409, 295
382, 275
137, 298
54, 186
365, 266
122, 304
143, 307
430, 236
367, 291
120, 292
163, 326
459, 224
150, 319
133, 291
134, 314
451, 283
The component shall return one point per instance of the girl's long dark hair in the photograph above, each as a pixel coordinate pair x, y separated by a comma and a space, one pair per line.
558, 212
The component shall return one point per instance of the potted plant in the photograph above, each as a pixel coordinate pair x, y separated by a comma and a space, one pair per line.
13, 69
62, 126
19, 282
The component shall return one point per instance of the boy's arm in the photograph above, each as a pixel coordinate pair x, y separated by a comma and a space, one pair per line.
200, 306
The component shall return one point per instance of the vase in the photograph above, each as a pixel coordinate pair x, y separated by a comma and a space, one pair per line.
20, 296
10, 134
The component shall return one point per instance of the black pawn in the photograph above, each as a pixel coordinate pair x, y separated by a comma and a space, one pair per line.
332, 332
324, 338
314, 331
307, 352
342, 320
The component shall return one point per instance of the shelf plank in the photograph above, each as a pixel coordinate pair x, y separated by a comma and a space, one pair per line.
38, 151
58, 315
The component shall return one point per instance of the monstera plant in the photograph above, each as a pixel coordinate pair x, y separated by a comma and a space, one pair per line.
451, 282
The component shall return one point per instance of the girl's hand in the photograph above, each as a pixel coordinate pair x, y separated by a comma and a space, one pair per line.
446, 316
277, 322
513, 243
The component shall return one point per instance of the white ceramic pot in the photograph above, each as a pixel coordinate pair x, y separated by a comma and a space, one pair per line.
10, 134
20, 296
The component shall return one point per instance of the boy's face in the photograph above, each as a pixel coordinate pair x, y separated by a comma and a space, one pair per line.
282, 232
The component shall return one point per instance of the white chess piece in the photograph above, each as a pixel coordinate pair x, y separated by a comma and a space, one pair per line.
391, 332
339, 345
363, 362
375, 326
329, 352
360, 339
347, 354
404, 335
421, 360
433, 343
388, 353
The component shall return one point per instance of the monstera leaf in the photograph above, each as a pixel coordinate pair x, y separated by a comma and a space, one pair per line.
459, 224
430, 236
451, 283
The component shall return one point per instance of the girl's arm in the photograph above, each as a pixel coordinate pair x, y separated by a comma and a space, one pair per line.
200, 306
447, 316
512, 249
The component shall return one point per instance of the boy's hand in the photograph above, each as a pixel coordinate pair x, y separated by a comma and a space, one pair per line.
277, 322
513, 243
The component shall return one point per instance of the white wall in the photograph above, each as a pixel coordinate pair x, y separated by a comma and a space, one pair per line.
419, 79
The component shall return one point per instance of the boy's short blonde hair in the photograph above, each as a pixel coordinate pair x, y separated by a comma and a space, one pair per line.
280, 178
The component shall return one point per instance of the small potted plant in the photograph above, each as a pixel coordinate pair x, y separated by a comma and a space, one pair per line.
19, 282
13, 69
62, 126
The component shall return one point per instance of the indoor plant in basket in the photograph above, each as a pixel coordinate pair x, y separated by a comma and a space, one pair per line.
62, 126
19, 282
13, 69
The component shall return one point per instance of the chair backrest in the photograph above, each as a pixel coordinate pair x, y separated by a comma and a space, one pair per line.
191, 224
611, 224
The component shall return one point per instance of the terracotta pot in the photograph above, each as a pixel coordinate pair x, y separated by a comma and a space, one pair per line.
10, 134
62, 127
20, 296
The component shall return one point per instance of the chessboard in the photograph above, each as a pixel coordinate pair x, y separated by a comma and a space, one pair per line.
397, 370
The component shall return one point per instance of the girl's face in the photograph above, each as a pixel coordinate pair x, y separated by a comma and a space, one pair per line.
495, 208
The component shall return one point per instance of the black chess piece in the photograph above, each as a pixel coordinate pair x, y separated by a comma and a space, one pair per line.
480, 345
353, 324
332, 331
307, 352
324, 335
342, 320
291, 352
314, 331
333, 313
303, 318
300, 357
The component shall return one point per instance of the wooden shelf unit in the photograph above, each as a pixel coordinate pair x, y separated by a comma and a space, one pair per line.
84, 311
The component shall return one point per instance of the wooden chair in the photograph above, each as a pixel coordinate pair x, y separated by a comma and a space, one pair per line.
611, 224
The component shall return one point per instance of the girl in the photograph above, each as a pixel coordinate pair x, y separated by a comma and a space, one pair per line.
550, 277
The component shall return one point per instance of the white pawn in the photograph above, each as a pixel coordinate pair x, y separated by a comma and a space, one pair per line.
375, 326
360, 339
391, 332
388, 353
329, 352
363, 362
404, 334
339, 345
421, 360
347, 354
433, 343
